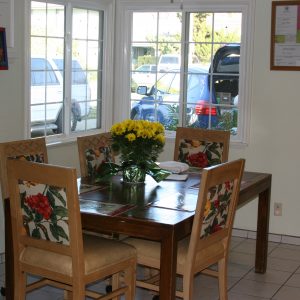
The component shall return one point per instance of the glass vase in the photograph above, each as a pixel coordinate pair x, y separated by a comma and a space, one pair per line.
134, 174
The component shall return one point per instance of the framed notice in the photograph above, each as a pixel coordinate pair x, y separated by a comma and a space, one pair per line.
285, 36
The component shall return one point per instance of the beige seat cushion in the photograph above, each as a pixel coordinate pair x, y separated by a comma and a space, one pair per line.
98, 253
149, 253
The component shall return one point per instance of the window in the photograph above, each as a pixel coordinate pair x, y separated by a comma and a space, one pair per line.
202, 58
67, 61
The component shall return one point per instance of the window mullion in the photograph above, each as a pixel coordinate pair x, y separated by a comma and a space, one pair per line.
67, 68
184, 67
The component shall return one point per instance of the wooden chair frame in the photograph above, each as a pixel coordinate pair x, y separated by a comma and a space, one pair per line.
17, 148
94, 141
207, 135
75, 284
197, 253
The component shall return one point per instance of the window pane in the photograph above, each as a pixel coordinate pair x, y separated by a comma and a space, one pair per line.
38, 18
47, 81
227, 27
80, 23
85, 64
65, 87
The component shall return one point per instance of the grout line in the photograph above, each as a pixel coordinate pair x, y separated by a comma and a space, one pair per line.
272, 237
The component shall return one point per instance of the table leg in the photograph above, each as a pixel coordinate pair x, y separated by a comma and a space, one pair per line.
168, 268
262, 231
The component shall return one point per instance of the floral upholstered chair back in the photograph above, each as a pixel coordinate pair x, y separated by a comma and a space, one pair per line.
216, 210
217, 201
94, 151
44, 206
201, 148
96, 157
44, 211
31, 150
200, 154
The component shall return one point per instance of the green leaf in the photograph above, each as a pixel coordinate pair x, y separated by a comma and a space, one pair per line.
53, 229
107, 170
51, 198
38, 218
60, 211
45, 231
28, 212
22, 198
53, 218
36, 233
54, 191
62, 233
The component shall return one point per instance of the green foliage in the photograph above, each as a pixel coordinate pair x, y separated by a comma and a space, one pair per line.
145, 60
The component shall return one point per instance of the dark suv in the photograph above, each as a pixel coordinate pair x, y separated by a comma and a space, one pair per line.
225, 82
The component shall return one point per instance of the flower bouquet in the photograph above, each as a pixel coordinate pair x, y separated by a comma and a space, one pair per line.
139, 143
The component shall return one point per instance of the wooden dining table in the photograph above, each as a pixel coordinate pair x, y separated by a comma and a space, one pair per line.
161, 212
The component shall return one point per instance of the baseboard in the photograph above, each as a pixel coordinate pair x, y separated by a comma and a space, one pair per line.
277, 238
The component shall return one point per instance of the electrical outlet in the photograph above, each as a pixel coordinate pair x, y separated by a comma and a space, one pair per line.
277, 209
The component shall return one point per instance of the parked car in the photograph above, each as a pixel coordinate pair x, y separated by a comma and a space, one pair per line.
166, 92
144, 75
47, 78
168, 62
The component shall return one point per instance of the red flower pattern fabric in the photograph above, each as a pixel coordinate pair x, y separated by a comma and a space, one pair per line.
40, 204
198, 160
200, 154
95, 158
44, 210
216, 208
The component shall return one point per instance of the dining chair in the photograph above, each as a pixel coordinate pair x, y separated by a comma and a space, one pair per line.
93, 151
201, 147
31, 149
48, 240
209, 241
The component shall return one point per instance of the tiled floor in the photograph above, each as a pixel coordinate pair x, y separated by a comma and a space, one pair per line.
281, 281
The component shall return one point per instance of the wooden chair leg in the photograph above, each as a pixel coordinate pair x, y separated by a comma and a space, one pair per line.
78, 292
188, 281
222, 268
20, 286
129, 280
68, 295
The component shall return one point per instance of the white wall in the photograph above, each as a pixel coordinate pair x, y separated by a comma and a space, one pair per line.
274, 133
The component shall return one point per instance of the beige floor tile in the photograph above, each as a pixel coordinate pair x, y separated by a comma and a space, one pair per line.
288, 246
236, 296
247, 246
294, 281
255, 288
241, 258
282, 264
286, 253
287, 293
238, 270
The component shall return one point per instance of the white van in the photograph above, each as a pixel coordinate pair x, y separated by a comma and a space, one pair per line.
47, 94
167, 62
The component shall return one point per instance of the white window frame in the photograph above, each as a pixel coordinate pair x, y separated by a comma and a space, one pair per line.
124, 10
108, 7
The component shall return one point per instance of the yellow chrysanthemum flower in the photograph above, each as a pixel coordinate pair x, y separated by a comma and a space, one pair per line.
130, 137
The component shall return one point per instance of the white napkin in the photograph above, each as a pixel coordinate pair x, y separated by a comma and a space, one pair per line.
175, 167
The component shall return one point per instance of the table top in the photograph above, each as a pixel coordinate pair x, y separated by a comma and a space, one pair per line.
167, 202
